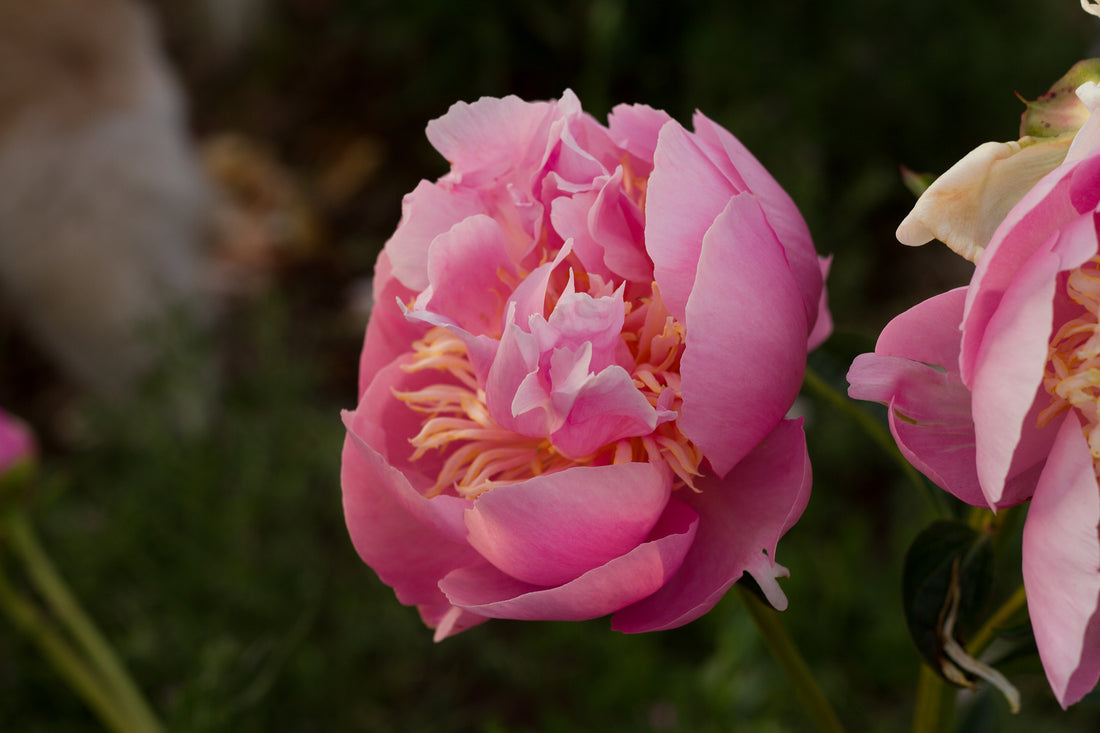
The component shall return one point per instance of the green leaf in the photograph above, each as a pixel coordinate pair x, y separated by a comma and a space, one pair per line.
946, 557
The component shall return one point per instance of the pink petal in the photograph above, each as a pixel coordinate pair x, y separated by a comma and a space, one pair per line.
1008, 375
553, 528
569, 216
915, 372
408, 555
381, 427
606, 408
1061, 562
448, 620
747, 174
618, 225
746, 341
465, 269
428, 211
484, 590
685, 193
1029, 227
389, 333
929, 332
492, 137
635, 128
741, 519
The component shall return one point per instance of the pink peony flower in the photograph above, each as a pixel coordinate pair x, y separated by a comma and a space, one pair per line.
17, 445
994, 394
575, 378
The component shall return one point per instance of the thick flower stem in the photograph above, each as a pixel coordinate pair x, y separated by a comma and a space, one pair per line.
934, 708
785, 652
26, 617
880, 435
67, 610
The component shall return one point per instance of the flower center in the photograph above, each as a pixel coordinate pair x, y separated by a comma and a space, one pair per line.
479, 454
1072, 376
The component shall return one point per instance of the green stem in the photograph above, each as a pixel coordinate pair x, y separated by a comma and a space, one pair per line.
69, 613
879, 434
934, 707
1000, 617
784, 651
25, 616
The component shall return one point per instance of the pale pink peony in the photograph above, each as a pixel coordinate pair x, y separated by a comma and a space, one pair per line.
994, 392
575, 378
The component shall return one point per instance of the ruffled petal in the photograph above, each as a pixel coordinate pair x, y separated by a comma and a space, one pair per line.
484, 590
492, 137
1061, 562
686, 192
745, 352
635, 128
467, 269
551, 529
428, 211
607, 407
963, 207
1030, 226
746, 173
407, 554
1009, 374
389, 333
741, 519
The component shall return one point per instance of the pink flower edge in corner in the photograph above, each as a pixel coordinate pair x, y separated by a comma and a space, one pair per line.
17, 443
990, 396
558, 418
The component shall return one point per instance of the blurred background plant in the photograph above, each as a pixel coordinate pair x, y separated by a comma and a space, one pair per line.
211, 547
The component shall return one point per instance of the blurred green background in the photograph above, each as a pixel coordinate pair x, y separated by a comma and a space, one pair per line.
217, 560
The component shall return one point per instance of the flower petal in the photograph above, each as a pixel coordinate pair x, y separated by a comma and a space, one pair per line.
1028, 227
407, 554
484, 590
1009, 374
745, 351
492, 137
606, 408
467, 268
389, 333
686, 192
747, 174
963, 207
551, 529
741, 519
428, 211
915, 372
1061, 561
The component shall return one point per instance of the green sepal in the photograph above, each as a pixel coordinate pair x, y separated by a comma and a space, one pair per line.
1059, 111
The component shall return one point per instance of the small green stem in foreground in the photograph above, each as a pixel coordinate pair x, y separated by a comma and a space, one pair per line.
785, 652
63, 604
25, 616
935, 703
880, 435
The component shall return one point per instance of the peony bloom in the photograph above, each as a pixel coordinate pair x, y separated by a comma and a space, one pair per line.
575, 378
994, 394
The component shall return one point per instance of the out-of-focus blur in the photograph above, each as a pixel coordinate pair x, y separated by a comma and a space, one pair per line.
104, 210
